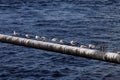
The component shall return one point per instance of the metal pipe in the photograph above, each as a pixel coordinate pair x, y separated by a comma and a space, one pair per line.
71, 50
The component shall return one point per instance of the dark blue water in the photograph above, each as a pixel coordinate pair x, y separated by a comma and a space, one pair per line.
87, 21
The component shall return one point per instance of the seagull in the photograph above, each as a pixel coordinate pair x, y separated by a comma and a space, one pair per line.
37, 37
73, 42
15, 33
102, 48
54, 39
27, 36
43, 38
91, 46
62, 41
83, 46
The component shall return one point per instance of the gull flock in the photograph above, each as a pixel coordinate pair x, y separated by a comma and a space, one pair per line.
61, 41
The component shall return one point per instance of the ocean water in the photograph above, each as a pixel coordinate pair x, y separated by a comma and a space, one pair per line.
87, 21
